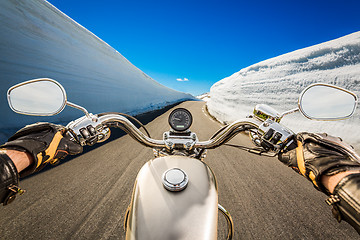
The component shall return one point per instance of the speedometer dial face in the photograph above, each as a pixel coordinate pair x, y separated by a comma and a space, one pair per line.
180, 119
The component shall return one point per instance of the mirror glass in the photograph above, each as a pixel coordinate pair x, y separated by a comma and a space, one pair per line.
39, 97
327, 102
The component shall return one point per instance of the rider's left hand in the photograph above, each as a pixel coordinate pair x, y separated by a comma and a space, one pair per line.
46, 142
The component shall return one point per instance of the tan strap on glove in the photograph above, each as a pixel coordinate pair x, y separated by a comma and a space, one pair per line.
320, 154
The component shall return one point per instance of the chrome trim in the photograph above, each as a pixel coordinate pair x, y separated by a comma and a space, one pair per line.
264, 112
328, 85
131, 129
173, 140
73, 105
229, 221
114, 120
229, 132
32, 81
289, 112
278, 138
103, 132
175, 180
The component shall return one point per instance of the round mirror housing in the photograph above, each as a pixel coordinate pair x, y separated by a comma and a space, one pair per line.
38, 97
322, 101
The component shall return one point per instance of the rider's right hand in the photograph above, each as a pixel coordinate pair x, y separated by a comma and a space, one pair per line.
319, 157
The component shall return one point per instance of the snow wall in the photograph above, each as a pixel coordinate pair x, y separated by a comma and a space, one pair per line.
279, 81
37, 40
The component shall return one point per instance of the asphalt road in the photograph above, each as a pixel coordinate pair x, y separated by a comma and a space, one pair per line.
86, 197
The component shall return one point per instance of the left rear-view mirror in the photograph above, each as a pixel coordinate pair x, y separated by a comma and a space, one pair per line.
38, 97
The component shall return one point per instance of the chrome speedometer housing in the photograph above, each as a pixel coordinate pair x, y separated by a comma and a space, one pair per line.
180, 119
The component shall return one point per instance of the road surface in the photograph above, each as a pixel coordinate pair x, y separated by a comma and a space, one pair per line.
86, 197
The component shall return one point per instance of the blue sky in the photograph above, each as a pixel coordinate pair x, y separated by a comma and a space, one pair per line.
205, 41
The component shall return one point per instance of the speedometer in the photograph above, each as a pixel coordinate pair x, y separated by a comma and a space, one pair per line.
180, 119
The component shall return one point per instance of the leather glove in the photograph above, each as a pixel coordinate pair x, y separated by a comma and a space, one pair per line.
46, 142
320, 154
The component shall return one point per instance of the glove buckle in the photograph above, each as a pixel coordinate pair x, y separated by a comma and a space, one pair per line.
331, 201
14, 190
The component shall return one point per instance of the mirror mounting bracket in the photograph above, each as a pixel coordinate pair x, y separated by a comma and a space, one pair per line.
289, 112
73, 105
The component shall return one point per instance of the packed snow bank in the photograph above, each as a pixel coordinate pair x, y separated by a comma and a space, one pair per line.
204, 97
279, 81
37, 40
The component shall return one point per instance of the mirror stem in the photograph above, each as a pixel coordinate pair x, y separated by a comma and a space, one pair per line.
80, 108
289, 112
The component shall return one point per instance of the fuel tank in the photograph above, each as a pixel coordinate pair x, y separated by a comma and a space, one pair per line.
157, 213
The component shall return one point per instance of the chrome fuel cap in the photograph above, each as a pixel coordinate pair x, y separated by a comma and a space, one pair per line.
175, 180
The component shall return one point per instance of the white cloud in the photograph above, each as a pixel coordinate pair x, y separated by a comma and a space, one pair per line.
182, 80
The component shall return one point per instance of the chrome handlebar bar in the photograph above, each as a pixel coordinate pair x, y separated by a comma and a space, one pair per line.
114, 120
229, 132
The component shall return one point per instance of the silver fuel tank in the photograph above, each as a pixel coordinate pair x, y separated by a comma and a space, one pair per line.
157, 213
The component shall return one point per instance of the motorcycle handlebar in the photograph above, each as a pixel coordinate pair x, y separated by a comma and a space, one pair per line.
228, 133
113, 120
